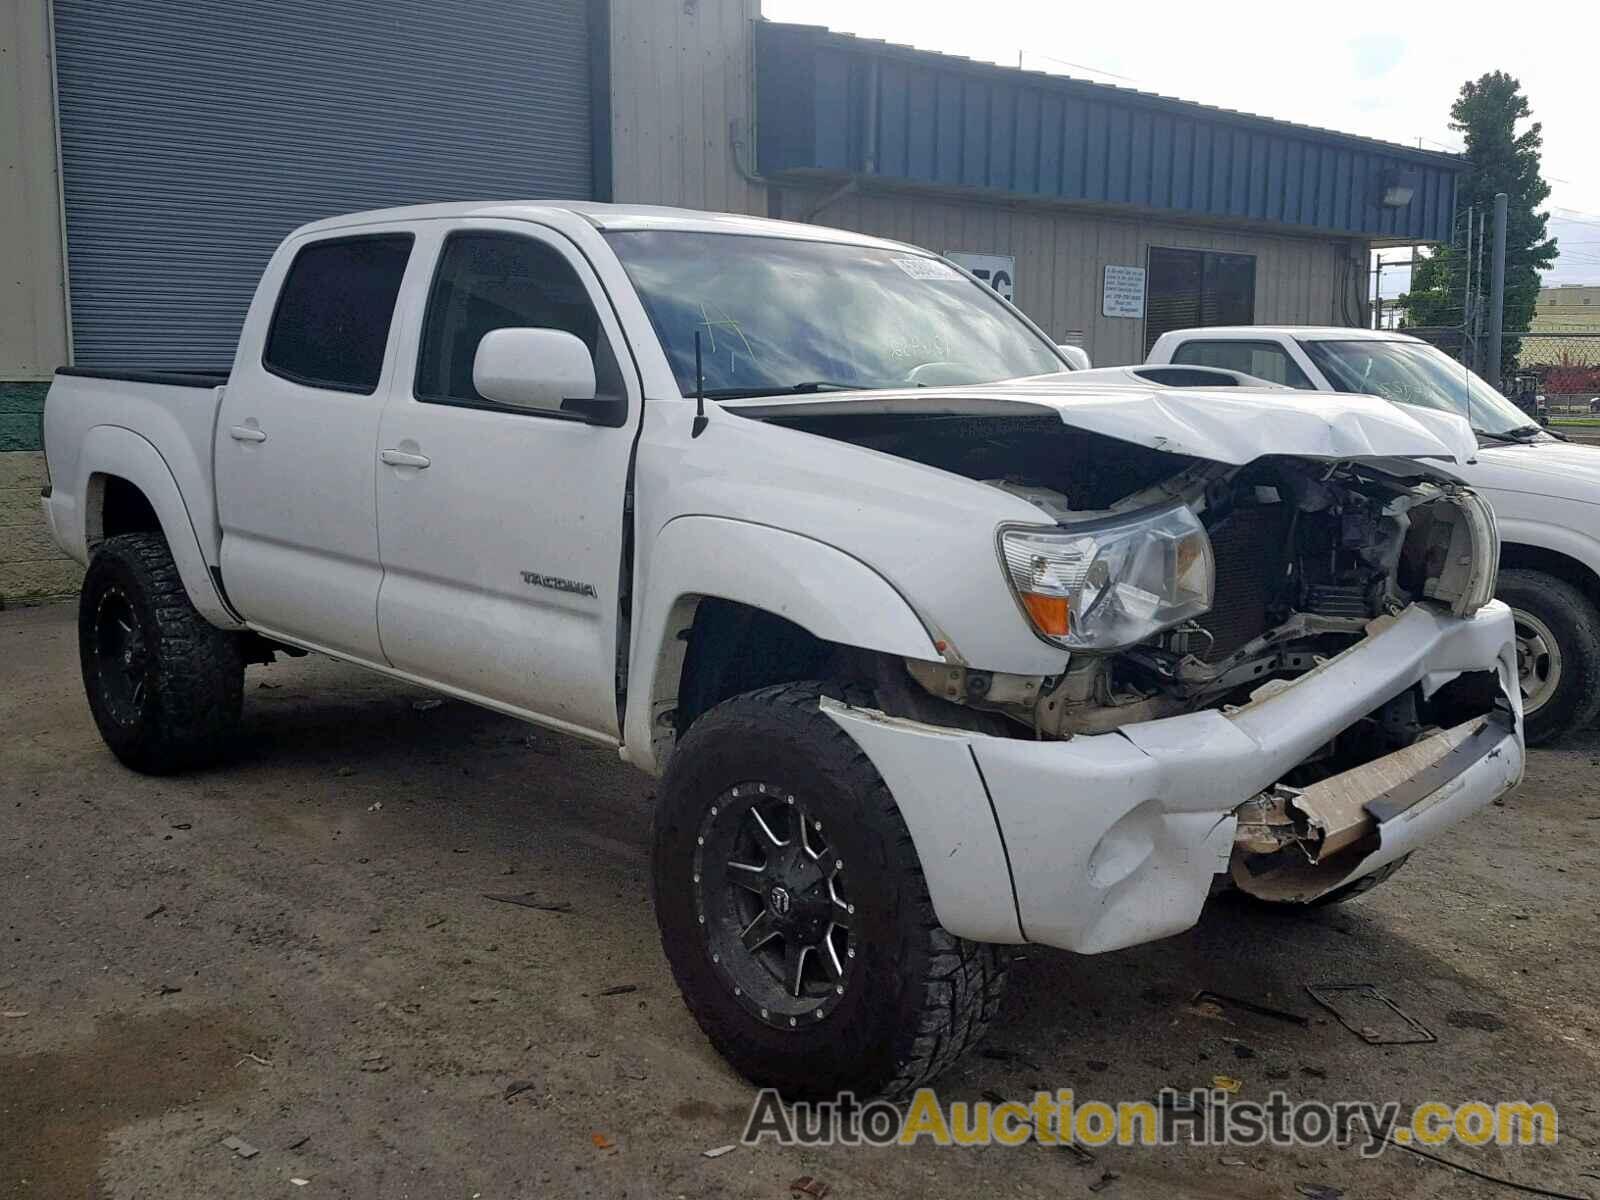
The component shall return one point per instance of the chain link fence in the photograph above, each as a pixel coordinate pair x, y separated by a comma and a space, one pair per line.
1562, 367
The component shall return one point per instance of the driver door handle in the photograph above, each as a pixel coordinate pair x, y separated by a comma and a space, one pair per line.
399, 458
246, 433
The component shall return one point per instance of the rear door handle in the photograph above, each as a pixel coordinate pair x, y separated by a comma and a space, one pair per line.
400, 458
246, 433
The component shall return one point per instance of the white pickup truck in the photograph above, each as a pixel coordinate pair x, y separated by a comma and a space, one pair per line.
1545, 490
936, 649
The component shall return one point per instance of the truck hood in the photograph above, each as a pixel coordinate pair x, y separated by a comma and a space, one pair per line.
1225, 425
1554, 469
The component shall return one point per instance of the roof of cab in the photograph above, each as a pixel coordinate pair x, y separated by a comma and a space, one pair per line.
610, 217
1308, 333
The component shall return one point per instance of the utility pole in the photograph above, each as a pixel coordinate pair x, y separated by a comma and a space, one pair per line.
1497, 291
1377, 293
1469, 337
1478, 300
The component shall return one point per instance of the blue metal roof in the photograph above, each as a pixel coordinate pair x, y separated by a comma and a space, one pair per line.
839, 105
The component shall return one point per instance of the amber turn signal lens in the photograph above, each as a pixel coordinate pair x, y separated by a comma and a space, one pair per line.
1049, 613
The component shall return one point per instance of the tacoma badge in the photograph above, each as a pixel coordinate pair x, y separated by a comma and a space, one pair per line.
556, 583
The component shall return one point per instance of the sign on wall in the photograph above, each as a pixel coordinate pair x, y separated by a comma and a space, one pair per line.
1123, 292
997, 270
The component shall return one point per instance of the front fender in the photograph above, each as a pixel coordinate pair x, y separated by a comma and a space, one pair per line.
114, 450
1568, 540
828, 593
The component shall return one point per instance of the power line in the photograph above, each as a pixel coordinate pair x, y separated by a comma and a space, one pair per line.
1561, 215
1061, 62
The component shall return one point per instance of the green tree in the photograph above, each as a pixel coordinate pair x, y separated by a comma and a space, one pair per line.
1499, 159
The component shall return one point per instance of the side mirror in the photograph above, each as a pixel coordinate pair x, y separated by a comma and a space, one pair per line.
1077, 356
536, 369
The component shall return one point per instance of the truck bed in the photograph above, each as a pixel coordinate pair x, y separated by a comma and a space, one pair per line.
156, 428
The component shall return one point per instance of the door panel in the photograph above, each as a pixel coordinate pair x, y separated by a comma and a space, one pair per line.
296, 446
502, 555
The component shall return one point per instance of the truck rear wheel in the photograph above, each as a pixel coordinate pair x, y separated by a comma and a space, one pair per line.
165, 686
795, 914
1558, 652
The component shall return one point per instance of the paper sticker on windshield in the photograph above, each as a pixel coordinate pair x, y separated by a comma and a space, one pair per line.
926, 268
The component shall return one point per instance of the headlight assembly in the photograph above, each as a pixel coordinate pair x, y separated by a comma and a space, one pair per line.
1108, 584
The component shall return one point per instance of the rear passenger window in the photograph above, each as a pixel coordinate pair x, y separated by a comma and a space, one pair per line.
334, 310
1264, 360
489, 281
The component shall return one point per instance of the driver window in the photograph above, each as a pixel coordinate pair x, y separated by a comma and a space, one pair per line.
489, 281
1264, 360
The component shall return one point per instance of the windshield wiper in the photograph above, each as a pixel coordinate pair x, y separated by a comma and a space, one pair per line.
1520, 436
792, 389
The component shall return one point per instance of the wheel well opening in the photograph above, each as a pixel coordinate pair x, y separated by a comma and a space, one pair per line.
729, 648
733, 648
123, 508
1551, 562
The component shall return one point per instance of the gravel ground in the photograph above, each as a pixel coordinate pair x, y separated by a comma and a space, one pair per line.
297, 950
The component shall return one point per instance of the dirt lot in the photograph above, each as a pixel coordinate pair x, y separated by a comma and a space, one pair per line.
297, 950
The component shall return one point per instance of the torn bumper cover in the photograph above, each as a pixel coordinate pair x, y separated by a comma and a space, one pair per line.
1114, 839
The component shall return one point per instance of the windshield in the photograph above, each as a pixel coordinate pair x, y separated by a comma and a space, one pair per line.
783, 315
1418, 374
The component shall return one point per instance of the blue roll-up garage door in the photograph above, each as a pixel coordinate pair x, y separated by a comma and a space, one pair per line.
194, 135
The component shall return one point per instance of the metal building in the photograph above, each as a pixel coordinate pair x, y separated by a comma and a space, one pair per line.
1125, 214
167, 147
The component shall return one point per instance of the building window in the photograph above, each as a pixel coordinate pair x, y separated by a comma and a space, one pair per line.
331, 326
1190, 289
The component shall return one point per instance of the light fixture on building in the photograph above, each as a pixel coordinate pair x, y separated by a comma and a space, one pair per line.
1396, 186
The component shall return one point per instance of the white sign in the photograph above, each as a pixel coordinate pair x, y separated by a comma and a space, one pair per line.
1123, 294
926, 268
997, 270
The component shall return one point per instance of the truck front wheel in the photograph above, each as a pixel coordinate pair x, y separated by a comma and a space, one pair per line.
165, 686
794, 912
1558, 652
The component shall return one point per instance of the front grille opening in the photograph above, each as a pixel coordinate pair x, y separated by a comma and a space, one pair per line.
1398, 723
1250, 546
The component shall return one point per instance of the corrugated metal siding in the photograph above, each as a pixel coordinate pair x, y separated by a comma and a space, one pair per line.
948, 122
680, 72
194, 136
1060, 255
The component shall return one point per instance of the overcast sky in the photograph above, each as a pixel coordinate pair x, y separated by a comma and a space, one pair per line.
1386, 71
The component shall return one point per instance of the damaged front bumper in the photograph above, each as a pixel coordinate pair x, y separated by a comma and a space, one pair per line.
1114, 839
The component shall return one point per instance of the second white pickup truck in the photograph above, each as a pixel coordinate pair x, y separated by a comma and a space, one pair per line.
937, 649
1545, 490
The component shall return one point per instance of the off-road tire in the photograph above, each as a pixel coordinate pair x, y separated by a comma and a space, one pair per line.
918, 996
186, 711
1572, 618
